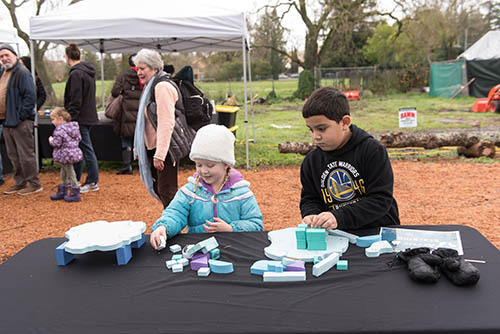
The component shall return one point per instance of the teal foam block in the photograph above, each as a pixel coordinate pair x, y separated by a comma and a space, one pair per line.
176, 257
261, 266
342, 265
220, 267
215, 253
367, 240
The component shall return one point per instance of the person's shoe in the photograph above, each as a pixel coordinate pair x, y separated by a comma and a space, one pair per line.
89, 187
62, 190
2, 182
14, 189
31, 189
74, 195
127, 170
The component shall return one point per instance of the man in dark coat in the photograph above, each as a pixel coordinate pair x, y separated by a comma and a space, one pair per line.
79, 101
17, 113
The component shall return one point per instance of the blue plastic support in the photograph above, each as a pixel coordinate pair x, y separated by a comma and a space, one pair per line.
63, 257
139, 243
123, 255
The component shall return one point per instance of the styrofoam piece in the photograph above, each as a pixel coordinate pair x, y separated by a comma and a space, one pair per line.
286, 276
177, 268
342, 265
379, 247
175, 248
352, 237
185, 251
170, 263
296, 266
103, 236
366, 241
203, 271
123, 255
163, 243
208, 244
261, 266
199, 260
326, 264
183, 261
191, 250
63, 257
283, 244
220, 267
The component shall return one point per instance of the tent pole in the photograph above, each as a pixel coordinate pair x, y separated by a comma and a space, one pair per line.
245, 98
101, 50
37, 153
251, 97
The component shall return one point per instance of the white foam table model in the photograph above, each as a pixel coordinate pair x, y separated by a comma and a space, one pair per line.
284, 244
102, 236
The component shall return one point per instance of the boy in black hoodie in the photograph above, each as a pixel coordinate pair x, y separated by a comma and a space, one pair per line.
347, 180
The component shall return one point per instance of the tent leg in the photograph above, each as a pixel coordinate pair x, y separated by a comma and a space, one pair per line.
245, 99
251, 98
37, 153
102, 81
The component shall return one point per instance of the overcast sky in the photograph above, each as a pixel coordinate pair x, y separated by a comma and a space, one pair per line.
292, 21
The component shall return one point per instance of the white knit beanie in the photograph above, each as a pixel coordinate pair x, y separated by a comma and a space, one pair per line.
215, 143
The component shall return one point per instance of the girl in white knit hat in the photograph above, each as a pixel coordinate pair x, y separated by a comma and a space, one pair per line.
216, 198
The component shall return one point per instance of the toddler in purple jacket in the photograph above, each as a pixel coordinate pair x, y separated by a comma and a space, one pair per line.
64, 141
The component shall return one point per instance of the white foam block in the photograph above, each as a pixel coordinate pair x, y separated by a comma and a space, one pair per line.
326, 264
203, 271
163, 243
177, 268
175, 248
379, 247
286, 276
183, 261
170, 263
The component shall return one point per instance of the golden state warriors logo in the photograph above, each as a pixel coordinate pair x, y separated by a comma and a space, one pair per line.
340, 185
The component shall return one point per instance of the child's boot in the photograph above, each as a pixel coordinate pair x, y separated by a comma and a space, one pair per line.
62, 190
74, 195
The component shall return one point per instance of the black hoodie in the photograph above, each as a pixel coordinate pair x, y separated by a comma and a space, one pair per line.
79, 94
355, 183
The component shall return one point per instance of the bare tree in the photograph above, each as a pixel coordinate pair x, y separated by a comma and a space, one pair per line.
40, 47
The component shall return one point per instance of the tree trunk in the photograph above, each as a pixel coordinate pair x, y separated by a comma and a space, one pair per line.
480, 149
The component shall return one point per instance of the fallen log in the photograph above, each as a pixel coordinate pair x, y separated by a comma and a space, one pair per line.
480, 149
296, 147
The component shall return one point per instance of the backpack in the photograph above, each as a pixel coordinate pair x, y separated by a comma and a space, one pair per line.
183, 134
197, 108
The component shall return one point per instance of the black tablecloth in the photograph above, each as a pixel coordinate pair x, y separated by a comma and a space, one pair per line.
107, 145
94, 295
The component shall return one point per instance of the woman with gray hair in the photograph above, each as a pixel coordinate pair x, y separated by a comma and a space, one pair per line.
155, 125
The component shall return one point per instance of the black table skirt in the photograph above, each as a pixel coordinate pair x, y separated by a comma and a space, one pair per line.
94, 295
107, 144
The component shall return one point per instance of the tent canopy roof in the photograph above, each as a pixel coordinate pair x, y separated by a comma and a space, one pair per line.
8, 35
487, 47
125, 26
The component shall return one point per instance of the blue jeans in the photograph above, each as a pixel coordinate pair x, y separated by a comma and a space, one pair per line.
88, 156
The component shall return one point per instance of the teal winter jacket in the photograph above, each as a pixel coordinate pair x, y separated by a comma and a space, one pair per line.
235, 204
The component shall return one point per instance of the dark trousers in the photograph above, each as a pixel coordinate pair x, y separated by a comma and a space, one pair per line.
88, 156
164, 181
20, 144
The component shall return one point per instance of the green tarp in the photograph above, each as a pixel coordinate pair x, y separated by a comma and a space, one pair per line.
445, 78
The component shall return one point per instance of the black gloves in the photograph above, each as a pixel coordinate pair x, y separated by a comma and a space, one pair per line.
457, 269
425, 267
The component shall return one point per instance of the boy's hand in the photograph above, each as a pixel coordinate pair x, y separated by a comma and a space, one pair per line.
154, 239
324, 220
218, 225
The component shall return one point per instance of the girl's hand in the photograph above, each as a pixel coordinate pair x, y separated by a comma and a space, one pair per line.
218, 225
154, 239
51, 139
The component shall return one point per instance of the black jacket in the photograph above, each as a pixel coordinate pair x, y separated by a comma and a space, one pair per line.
79, 94
355, 183
128, 85
20, 97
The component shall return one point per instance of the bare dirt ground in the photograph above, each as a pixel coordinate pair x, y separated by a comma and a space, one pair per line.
435, 192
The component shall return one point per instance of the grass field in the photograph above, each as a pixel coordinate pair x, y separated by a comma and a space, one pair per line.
271, 124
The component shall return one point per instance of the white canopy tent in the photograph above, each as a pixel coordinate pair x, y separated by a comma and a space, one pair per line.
9, 36
487, 47
126, 26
